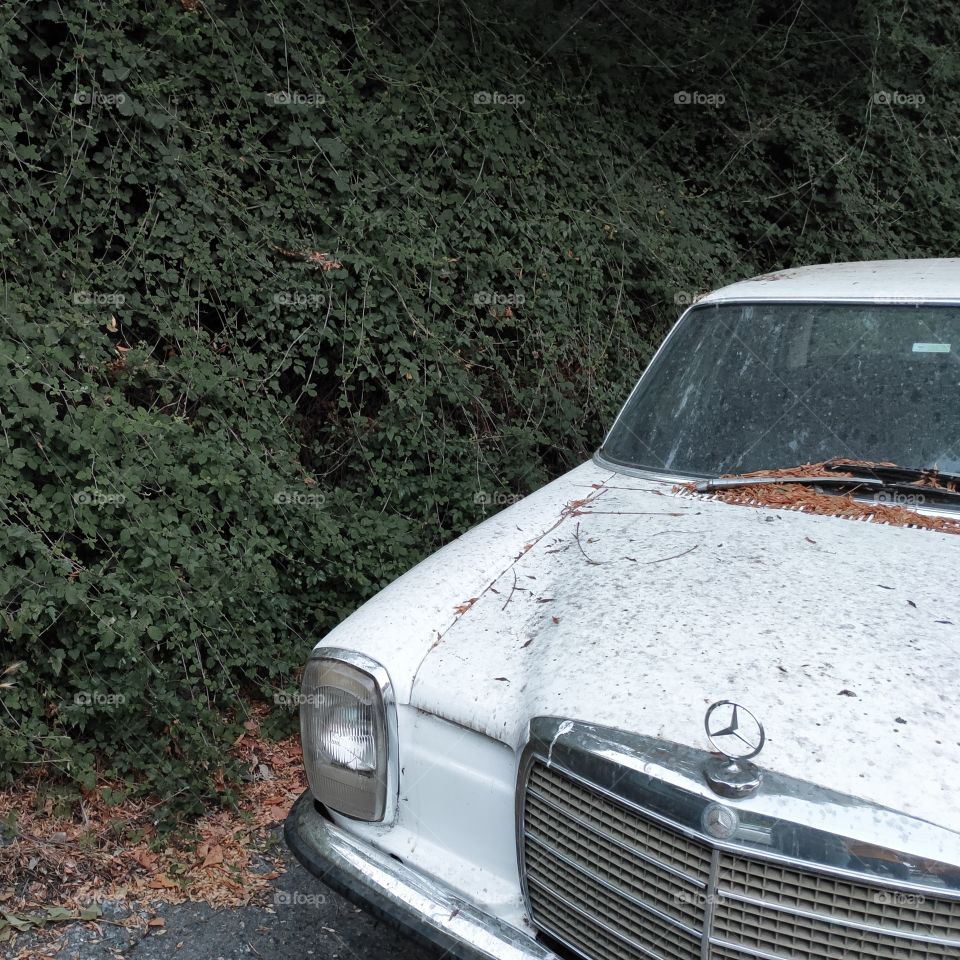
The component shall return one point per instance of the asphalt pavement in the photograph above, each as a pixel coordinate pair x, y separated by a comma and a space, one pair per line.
301, 920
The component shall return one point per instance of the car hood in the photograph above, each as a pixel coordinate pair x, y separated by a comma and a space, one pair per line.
641, 606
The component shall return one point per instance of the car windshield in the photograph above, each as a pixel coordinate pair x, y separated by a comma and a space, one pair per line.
760, 386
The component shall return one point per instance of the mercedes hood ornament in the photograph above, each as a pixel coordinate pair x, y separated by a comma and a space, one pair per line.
738, 736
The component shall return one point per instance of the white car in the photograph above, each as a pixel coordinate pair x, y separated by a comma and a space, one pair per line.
660, 711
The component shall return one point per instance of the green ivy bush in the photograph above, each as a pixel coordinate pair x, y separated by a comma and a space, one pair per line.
292, 292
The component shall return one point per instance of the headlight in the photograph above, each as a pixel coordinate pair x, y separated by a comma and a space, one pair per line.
348, 726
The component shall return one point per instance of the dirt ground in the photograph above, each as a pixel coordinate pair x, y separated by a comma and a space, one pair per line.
296, 918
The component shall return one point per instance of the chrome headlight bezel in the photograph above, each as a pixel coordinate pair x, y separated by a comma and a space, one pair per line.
369, 796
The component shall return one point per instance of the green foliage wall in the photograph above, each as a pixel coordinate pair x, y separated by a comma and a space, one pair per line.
292, 292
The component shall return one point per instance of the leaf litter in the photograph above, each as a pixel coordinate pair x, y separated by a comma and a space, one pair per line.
805, 499
59, 861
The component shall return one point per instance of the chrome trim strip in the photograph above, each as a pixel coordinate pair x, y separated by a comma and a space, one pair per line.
834, 921
643, 473
669, 779
605, 927
379, 673
563, 941
746, 951
709, 298
613, 888
633, 851
646, 370
519, 807
711, 904
417, 902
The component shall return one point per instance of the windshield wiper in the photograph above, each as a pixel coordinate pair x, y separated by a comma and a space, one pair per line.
896, 474
731, 483
866, 482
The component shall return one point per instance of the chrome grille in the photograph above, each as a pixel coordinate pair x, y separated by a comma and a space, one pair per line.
575, 801
609, 882
841, 900
805, 938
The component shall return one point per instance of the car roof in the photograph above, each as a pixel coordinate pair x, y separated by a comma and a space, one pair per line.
910, 281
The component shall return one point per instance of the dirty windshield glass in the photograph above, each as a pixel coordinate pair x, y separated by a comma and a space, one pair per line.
743, 387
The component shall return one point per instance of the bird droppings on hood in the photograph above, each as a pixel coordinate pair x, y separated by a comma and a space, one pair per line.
562, 731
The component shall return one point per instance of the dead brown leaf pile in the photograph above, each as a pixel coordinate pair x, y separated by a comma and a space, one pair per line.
316, 258
69, 856
799, 497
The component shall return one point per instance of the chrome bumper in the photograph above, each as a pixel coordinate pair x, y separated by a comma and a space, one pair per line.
418, 904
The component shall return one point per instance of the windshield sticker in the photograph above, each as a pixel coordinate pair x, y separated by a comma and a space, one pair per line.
931, 348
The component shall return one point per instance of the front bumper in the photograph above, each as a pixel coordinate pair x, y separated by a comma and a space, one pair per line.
418, 904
